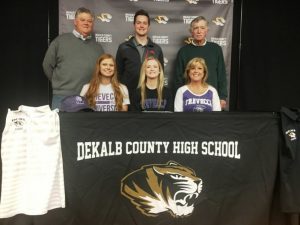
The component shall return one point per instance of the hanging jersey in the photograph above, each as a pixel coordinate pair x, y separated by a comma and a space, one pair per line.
290, 161
32, 170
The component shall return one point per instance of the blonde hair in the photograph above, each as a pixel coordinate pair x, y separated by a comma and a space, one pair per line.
95, 82
143, 80
191, 64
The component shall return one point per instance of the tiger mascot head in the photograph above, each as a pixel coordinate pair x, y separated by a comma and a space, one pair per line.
158, 188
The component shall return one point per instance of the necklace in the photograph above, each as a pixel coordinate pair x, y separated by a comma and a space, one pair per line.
197, 89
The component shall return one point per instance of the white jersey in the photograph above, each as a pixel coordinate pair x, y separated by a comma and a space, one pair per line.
32, 169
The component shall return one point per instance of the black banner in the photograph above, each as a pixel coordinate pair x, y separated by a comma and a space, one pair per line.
169, 168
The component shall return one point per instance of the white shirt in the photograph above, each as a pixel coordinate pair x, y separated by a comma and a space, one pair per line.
105, 100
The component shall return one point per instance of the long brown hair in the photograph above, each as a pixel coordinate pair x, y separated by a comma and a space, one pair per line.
143, 80
95, 82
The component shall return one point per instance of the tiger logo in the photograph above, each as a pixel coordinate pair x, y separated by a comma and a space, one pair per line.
219, 21
105, 17
161, 19
188, 40
158, 188
195, 2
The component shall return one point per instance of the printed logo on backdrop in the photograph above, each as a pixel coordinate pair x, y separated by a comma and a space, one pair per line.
188, 19
105, 17
160, 40
219, 21
188, 40
222, 41
158, 188
161, 0
161, 19
70, 15
195, 2
220, 2
103, 38
129, 17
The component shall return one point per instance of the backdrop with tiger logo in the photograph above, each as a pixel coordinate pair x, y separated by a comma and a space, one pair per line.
169, 168
170, 21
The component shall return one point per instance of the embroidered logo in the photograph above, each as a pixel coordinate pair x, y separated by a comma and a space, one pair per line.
18, 123
291, 133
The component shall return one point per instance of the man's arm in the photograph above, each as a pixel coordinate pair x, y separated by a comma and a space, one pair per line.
178, 78
49, 62
222, 79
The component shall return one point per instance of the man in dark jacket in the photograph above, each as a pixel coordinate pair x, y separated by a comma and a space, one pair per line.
131, 53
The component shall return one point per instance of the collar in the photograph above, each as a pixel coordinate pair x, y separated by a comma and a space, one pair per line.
78, 35
136, 43
193, 43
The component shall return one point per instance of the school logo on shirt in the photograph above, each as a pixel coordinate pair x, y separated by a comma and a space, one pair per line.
291, 134
158, 188
105, 17
105, 102
199, 109
18, 123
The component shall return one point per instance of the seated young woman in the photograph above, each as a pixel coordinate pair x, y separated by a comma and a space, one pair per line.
196, 95
152, 94
105, 92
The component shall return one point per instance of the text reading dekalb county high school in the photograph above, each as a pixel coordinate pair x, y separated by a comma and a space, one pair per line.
97, 149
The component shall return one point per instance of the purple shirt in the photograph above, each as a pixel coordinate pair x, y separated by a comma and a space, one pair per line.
187, 101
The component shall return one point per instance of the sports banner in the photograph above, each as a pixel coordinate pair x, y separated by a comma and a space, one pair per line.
169, 168
170, 21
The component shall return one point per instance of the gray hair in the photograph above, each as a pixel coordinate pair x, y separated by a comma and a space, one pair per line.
197, 19
84, 10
